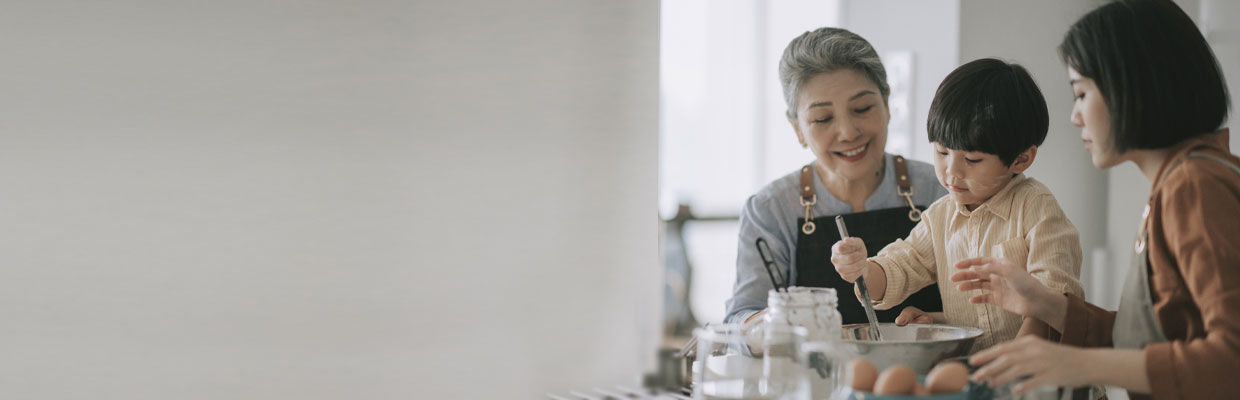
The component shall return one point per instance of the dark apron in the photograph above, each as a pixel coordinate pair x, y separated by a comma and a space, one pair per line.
1136, 326
876, 228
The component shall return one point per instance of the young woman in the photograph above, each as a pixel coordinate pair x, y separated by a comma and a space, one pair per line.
1148, 91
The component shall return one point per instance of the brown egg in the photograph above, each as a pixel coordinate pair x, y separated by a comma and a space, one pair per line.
948, 377
921, 390
896, 380
863, 375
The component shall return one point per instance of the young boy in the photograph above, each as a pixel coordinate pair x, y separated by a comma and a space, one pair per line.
986, 122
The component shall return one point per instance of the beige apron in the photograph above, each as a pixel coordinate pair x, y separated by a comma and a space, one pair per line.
1136, 326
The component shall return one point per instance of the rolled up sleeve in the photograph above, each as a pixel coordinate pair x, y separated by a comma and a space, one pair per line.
1086, 325
909, 265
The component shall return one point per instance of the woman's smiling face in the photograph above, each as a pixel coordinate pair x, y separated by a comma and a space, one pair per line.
842, 117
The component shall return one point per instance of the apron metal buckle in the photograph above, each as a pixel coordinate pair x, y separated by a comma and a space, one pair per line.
913, 214
808, 227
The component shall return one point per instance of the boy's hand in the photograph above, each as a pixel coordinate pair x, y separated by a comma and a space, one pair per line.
849, 257
913, 315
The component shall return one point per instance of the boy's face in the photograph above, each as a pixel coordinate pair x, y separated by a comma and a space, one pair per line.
972, 177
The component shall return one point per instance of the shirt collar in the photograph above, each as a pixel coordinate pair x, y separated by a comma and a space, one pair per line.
1000, 204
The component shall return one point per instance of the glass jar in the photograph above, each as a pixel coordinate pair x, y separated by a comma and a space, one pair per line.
812, 308
823, 357
727, 367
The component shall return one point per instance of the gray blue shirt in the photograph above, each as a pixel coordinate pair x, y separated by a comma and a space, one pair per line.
772, 213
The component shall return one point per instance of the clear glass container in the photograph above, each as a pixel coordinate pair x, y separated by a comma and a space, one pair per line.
815, 309
826, 366
729, 366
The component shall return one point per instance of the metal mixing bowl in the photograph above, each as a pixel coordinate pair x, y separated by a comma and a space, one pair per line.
919, 346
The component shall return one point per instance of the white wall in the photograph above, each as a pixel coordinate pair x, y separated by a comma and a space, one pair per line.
325, 200
929, 29
782, 21
1028, 33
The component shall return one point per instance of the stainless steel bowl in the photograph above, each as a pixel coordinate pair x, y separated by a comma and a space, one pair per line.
919, 346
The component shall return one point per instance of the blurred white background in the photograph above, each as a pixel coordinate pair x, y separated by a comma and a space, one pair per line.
301, 199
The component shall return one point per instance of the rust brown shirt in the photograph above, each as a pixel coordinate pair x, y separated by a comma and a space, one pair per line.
1194, 256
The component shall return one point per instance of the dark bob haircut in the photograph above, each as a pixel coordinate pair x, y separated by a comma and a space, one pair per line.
990, 106
1154, 69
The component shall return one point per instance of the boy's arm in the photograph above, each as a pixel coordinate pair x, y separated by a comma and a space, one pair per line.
1054, 246
903, 267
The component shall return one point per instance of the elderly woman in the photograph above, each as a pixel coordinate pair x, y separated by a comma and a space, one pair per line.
1148, 91
836, 90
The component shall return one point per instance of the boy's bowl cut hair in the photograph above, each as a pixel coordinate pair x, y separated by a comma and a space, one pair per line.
1155, 71
989, 106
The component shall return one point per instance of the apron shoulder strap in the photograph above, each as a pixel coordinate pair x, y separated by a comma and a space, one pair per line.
1191, 153
1217, 159
905, 186
808, 198
902, 179
807, 183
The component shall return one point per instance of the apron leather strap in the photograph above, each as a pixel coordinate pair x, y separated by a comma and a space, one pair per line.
1192, 153
808, 198
904, 186
902, 175
807, 183
1226, 163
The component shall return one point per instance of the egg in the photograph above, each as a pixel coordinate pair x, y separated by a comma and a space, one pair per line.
863, 375
948, 377
921, 390
896, 380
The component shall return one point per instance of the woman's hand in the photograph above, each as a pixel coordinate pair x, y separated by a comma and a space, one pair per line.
914, 315
849, 257
1034, 361
1012, 288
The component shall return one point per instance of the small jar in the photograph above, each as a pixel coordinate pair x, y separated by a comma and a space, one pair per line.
821, 355
812, 308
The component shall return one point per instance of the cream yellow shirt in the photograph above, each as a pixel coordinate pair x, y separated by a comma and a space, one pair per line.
1022, 222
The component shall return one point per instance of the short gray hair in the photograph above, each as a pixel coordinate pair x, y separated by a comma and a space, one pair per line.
827, 50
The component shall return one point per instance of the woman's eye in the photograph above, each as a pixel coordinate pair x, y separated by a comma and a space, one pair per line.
1078, 96
823, 120
863, 110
